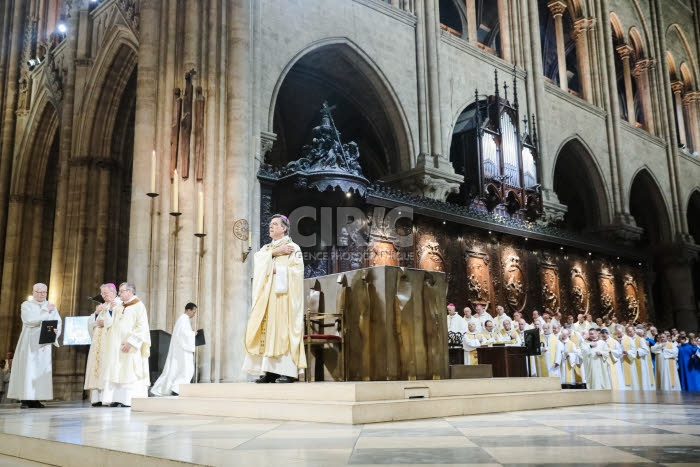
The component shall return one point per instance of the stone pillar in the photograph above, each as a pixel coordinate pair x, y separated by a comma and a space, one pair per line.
558, 7
675, 269
421, 78
582, 26
472, 27
11, 290
625, 51
691, 104
677, 87
504, 20
432, 36
641, 72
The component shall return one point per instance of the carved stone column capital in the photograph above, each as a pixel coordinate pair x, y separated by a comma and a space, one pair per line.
557, 7
642, 66
267, 140
689, 97
425, 181
625, 51
582, 26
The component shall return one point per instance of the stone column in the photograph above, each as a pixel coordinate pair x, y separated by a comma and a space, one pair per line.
691, 102
472, 27
677, 87
432, 38
504, 20
625, 51
641, 72
582, 26
558, 7
11, 292
421, 78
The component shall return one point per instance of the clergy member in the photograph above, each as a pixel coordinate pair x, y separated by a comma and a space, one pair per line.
471, 341
482, 315
500, 317
455, 323
129, 348
630, 377
614, 360
99, 325
666, 372
569, 360
30, 379
547, 361
595, 361
508, 336
179, 365
274, 338
645, 370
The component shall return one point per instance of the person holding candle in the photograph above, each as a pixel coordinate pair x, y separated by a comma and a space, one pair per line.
274, 338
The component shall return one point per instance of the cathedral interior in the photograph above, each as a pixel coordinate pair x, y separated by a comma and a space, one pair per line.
547, 150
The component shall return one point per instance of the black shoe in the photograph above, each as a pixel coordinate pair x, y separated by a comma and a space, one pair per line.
24, 405
267, 378
97, 404
38, 405
118, 404
173, 393
285, 379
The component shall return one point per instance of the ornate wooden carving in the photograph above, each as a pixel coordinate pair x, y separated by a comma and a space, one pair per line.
430, 256
175, 129
478, 278
199, 134
607, 293
631, 312
579, 290
551, 301
514, 282
382, 253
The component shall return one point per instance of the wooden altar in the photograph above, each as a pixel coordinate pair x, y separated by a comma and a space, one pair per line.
392, 324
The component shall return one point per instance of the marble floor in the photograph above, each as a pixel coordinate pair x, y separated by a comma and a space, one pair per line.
612, 434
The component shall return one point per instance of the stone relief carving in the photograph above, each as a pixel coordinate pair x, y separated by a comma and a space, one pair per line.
478, 279
430, 256
550, 290
632, 310
514, 280
579, 290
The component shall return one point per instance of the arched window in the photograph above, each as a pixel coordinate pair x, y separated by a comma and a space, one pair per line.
488, 26
559, 48
685, 99
451, 18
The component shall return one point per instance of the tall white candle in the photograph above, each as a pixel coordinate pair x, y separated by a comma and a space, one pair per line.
153, 172
175, 200
200, 214
250, 239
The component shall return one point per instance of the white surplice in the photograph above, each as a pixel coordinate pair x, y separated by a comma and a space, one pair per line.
455, 323
666, 371
645, 369
179, 366
596, 366
470, 342
31, 376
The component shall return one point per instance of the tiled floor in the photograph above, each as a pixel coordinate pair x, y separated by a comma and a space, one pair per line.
613, 434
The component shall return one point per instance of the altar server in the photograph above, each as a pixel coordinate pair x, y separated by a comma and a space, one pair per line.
179, 365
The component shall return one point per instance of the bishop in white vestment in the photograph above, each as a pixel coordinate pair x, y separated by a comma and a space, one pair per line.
31, 377
179, 366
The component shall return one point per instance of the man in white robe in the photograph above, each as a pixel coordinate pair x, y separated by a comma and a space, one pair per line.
487, 335
470, 342
274, 337
595, 355
645, 370
630, 378
99, 327
666, 372
482, 315
615, 359
179, 365
500, 317
581, 325
537, 320
455, 323
569, 360
129, 348
546, 362
469, 318
508, 336
31, 377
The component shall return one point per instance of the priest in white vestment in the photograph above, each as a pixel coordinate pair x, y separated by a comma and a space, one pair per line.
546, 362
488, 336
274, 338
581, 325
482, 315
630, 378
470, 342
179, 365
31, 377
99, 326
508, 336
129, 348
569, 359
666, 372
615, 359
595, 358
469, 318
645, 370
500, 317
455, 323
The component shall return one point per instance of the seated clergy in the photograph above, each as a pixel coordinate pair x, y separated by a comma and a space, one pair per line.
470, 342
179, 365
507, 335
488, 335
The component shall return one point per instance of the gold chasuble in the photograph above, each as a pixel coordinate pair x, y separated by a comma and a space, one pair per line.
276, 322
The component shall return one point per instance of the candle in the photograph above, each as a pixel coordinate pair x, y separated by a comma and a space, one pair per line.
153, 172
250, 239
175, 200
200, 217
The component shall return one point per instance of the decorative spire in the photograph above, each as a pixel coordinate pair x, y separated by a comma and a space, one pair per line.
478, 111
495, 81
515, 90
534, 131
505, 90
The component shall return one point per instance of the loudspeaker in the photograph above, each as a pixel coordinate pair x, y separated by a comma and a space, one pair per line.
532, 342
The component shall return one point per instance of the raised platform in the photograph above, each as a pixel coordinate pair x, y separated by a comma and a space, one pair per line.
370, 402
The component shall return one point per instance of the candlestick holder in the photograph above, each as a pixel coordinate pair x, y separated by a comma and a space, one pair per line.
246, 253
152, 195
200, 235
175, 214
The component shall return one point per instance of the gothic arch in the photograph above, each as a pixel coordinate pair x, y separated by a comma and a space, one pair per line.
687, 77
649, 207
453, 14
34, 148
579, 184
617, 29
675, 40
366, 88
112, 69
637, 44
